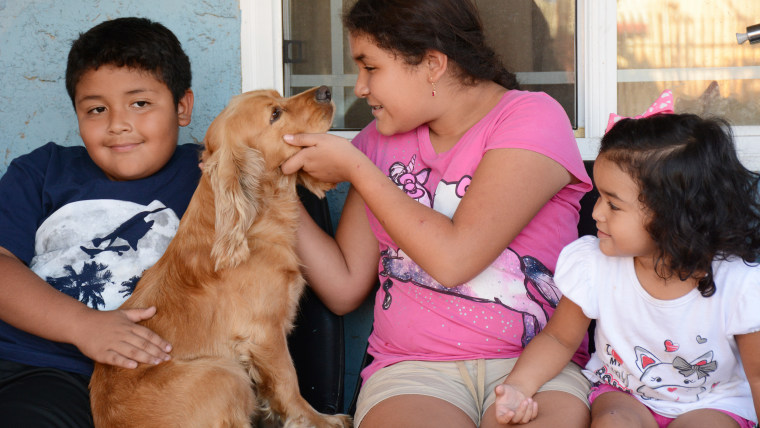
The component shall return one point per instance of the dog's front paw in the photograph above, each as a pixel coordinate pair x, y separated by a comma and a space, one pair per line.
320, 421
339, 421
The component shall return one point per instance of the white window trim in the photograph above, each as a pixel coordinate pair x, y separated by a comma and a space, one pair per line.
261, 45
597, 88
262, 67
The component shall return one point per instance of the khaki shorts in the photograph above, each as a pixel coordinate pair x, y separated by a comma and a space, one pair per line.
469, 385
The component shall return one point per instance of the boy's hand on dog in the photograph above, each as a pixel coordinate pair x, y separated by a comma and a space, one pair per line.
326, 157
115, 338
513, 407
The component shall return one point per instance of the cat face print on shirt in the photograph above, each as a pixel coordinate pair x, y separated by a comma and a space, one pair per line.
667, 374
676, 379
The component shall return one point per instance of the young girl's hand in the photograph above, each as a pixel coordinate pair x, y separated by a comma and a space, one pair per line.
115, 338
326, 157
513, 407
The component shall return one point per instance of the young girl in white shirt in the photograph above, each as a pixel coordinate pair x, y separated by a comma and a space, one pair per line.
671, 280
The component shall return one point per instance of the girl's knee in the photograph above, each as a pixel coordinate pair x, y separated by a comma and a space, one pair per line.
556, 408
617, 418
616, 409
707, 418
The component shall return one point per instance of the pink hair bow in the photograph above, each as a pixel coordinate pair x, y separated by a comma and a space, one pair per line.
663, 104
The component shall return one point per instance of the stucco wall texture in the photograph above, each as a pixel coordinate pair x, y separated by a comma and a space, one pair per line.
35, 37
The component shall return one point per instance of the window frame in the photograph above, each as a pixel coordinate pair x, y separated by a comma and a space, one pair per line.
261, 44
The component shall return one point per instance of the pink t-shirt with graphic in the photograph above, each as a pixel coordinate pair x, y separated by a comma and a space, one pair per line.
495, 314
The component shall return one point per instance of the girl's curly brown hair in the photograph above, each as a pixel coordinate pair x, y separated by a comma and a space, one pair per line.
703, 203
409, 28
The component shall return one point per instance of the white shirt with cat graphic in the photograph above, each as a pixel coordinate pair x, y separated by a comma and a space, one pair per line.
673, 355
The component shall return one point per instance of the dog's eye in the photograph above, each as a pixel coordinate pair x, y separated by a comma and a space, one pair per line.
276, 113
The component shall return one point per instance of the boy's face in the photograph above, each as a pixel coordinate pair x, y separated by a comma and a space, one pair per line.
128, 121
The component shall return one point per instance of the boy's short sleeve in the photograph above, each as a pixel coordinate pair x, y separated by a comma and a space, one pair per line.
575, 274
21, 207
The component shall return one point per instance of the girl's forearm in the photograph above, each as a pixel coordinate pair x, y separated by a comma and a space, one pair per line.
749, 350
341, 277
487, 218
412, 226
552, 349
541, 361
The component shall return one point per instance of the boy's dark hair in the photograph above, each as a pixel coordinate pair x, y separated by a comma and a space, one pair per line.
703, 202
409, 28
136, 43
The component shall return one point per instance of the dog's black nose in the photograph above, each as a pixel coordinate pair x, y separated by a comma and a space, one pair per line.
323, 94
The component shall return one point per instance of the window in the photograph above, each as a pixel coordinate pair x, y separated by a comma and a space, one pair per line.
539, 35
594, 56
690, 47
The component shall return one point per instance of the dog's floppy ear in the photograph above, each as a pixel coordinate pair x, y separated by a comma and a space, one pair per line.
234, 171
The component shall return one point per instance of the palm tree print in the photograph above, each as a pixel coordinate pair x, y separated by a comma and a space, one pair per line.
128, 286
86, 286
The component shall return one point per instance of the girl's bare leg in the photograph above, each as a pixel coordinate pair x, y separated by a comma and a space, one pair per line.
419, 411
618, 409
704, 418
555, 409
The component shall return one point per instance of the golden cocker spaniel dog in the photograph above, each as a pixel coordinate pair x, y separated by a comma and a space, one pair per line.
227, 288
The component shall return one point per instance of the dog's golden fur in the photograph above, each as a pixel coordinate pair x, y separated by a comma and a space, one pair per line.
227, 288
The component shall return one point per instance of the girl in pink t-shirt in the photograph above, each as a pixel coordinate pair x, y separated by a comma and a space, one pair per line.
463, 192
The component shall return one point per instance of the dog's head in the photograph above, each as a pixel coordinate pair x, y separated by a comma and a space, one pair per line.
244, 146
254, 123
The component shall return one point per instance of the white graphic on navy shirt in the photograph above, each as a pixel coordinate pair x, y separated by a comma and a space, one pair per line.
95, 251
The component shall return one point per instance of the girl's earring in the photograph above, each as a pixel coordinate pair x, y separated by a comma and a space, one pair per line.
433, 83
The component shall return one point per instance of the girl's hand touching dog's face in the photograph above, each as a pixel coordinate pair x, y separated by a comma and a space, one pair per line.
326, 157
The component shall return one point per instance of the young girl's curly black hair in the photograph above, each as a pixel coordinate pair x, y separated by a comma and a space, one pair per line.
702, 202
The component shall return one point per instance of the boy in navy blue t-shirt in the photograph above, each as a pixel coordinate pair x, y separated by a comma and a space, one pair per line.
79, 225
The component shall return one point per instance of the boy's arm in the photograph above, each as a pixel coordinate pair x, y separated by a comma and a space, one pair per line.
112, 337
542, 359
749, 349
